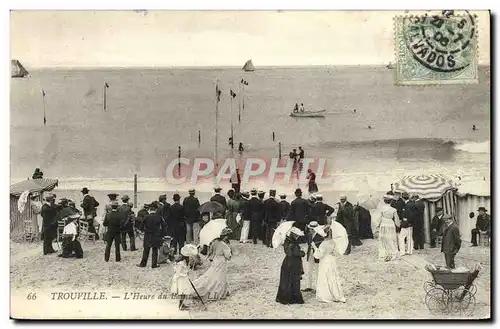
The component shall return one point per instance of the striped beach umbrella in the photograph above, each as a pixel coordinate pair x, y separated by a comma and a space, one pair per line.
430, 187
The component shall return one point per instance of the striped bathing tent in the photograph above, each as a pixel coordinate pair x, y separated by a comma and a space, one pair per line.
35, 188
435, 191
471, 196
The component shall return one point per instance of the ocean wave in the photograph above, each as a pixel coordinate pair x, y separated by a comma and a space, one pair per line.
473, 147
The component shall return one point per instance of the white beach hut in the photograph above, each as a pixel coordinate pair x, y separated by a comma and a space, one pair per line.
435, 191
471, 196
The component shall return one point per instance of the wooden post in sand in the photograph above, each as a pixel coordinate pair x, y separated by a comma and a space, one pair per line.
135, 190
279, 150
179, 159
199, 138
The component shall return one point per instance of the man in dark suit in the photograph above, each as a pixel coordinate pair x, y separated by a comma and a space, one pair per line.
176, 224
255, 207
398, 204
405, 238
112, 197
163, 210
141, 214
483, 225
236, 181
113, 221
193, 217
347, 218
320, 211
89, 206
284, 207
49, 224
128, 224
153, 236
262, 230
418, 222
299, 210
451, 241
436, 226
272, 217
217, 197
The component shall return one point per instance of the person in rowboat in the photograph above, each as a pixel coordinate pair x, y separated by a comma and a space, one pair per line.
296, 108
302, 107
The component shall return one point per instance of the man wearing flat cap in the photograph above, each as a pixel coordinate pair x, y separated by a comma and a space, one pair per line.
49, 224
451, 241
70, 244
113, 222
153, 235
256, 207
112, 197
271, 218
436, 226
89, 206
218, 197
320, 211
483, 225
128, 224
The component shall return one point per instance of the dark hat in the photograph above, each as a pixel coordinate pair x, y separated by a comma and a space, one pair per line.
85, 190
176, 197
298, 191
191, 191
112, 195
125, 198
114, 204
482, 208
253, 191
217, 189
283, 196
162, 197
272, 192
439, 209
154, 205
405, 195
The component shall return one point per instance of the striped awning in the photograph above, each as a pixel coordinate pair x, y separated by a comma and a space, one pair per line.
430, 187
33, 185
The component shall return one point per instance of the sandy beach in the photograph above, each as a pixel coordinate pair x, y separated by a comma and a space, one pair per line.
373, 289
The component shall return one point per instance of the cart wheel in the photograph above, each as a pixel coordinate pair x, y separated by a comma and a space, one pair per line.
464, 302
428, 285
436, 300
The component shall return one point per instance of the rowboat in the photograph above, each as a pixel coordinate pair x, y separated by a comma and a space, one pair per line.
309, 114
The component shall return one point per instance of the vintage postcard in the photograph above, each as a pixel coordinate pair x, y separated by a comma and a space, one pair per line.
250, 165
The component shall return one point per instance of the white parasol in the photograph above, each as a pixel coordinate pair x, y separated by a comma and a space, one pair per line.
212, 230
280, 233
339, 236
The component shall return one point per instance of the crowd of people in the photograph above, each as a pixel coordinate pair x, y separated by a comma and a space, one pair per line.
171, 234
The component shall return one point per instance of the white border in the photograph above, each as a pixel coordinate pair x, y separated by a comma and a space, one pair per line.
185, 4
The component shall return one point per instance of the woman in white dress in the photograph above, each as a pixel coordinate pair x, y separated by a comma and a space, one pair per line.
386, 226
328, 287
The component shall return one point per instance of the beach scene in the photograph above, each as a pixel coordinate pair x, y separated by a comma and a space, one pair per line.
115, 106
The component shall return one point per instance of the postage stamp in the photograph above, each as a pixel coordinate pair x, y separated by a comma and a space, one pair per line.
436, 49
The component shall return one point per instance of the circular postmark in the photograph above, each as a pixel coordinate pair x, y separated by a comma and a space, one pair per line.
441, 43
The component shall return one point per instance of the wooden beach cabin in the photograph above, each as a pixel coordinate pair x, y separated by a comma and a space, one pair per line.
471, 196
20, 222
435, 191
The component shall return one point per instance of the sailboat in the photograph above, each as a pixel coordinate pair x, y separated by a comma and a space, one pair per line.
390, 66
17, 69
248, 67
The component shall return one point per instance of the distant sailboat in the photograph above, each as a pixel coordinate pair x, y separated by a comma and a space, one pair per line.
248, 67
17, 69
390, 66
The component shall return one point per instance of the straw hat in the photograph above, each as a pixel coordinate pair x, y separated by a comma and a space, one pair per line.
189, 250
296, 231
313, 224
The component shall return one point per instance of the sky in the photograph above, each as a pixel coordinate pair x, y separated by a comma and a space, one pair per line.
211, 38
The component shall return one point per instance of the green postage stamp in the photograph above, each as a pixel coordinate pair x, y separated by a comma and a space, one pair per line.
436, 49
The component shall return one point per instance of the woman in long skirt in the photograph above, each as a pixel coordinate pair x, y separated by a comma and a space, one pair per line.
291, 270
388, 244
213, 283
328, 287
233, 206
